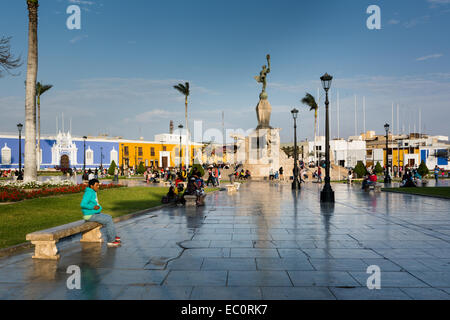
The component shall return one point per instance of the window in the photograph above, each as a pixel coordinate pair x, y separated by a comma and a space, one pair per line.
113, 155
6, 155
164, 148
126, 150
140, 151
152, 151
89, 156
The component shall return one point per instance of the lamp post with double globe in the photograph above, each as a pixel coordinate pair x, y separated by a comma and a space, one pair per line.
296, 182
181, 162
84, 153
19, 127
327, 194
387, 178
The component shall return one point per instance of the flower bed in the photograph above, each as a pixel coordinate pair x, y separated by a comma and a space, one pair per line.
13, 194
52, 183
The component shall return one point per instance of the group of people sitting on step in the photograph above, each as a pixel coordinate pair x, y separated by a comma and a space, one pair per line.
195, 187
369, 180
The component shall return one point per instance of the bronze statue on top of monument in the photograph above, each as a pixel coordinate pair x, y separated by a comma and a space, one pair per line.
263, 109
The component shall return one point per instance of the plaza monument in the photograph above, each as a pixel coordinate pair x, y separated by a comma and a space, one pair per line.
262, 146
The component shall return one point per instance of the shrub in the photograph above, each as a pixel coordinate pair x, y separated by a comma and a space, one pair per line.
112, 167
378, 168
360, 169
423, 169
141, 168
199, 169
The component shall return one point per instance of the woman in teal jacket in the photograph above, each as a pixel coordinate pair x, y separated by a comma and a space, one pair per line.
92, 212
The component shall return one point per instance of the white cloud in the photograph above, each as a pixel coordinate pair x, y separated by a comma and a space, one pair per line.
78, 38
89, 3
431, 56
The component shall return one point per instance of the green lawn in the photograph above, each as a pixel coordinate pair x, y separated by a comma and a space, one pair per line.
18, 219
441, 192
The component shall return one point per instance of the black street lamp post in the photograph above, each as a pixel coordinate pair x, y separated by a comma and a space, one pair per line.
19, 127
84, 153
122, 169
296, 182
327, 194
135, 159
181, 162
101, 158
387, 178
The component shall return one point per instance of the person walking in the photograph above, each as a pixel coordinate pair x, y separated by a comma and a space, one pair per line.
436, 174
281, 170
92, 212
319, 175
116, 174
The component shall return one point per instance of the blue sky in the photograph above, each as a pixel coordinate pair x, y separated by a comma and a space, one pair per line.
116, 74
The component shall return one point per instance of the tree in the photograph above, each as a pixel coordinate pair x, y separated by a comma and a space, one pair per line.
360, 169
378, 168
184, 90
423, 169
112, 168
309, 100
7, 61
40, 90
199, 169
141, 168
30, 93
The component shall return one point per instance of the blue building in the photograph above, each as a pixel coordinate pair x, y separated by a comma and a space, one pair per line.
62, 151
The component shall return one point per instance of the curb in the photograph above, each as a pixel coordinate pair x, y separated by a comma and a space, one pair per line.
416, 194
9, 251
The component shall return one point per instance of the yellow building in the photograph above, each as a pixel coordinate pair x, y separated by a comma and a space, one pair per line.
155, 154
403, 156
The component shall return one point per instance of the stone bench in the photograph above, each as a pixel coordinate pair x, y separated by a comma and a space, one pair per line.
191, 200
376, 187
45, 240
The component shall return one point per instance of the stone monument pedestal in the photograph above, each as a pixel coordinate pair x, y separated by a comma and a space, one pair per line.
262, 152
263, 111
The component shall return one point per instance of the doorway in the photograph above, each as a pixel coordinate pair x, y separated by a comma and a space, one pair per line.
64, 162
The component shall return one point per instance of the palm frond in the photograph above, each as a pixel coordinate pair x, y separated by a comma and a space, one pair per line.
42, 88
183, 88
310, 101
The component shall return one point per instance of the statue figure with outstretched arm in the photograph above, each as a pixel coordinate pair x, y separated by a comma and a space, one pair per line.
263, 109
263, 74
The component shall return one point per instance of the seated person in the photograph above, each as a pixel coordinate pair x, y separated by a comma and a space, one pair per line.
365, 182
372, 179
171, 196
178, 180
407, 181
194, 190
92, 212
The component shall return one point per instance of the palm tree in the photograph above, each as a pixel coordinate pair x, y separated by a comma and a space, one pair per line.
40, 90
309, 100
30, 93
184, 90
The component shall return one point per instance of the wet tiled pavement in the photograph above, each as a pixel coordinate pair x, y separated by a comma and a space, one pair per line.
263, 242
